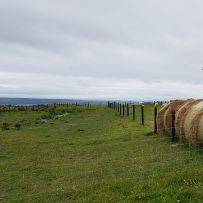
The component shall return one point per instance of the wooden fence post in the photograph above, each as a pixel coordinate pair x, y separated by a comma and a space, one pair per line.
133, 111
127, 109
155, 119
142, 114
173, 130
120, 109
123, 109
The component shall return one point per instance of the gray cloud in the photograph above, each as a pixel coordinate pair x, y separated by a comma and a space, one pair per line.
77, 47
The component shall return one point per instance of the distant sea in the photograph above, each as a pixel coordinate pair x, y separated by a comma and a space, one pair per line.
30, 101
34, 101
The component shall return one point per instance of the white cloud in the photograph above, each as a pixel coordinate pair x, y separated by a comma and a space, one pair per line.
85, 49
49, 86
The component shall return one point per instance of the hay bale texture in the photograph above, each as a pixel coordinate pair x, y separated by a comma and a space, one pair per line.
188, 122
181, 115
192, 120
167, 119
160, 115
195, 133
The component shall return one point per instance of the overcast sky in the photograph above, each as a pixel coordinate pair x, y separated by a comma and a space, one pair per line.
101, 49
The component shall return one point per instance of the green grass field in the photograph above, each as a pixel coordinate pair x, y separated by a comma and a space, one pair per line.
94, 155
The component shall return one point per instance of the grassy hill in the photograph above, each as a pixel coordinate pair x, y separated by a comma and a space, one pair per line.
94, 155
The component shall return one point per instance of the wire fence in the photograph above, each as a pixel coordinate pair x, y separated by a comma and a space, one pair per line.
137, 111
149, 120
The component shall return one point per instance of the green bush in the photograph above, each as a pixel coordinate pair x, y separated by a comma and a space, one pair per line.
5, 126
46, 116
18, 126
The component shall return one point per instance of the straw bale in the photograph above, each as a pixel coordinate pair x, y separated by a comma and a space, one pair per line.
181, 115
190, 116
167, 119
160, 116
195, 134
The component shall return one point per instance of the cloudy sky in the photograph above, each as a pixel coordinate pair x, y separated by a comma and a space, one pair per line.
101, 49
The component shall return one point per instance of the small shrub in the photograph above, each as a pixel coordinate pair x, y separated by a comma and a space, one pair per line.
5, 126
45, 116
37, 122
18, 126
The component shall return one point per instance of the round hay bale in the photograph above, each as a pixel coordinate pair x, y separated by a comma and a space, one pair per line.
195, 133
200, 130
167, 119
160, 115
181, 115
192, 120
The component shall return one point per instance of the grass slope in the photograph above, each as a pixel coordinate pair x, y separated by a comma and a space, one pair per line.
94, 155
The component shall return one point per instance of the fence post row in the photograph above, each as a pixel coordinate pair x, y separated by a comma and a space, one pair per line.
120, 108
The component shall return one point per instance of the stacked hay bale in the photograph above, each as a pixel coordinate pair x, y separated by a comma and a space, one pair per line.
181, 122
192, 123
160, 116
164, 117
173, 106
188, 122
